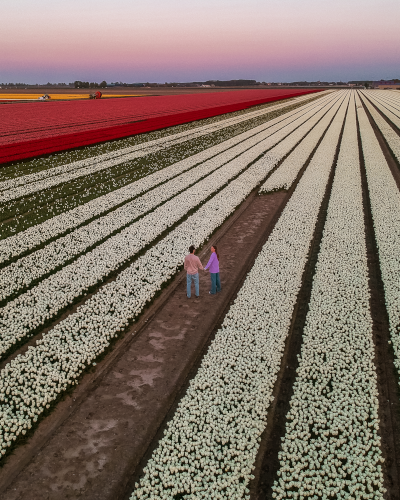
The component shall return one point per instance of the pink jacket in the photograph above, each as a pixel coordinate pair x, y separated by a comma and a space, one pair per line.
192, 264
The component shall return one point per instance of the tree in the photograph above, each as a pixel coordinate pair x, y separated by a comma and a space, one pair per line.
103, 84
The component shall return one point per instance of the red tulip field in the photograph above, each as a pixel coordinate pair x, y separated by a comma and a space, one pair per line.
40, 128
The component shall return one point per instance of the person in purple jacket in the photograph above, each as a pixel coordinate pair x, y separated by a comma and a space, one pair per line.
213, 266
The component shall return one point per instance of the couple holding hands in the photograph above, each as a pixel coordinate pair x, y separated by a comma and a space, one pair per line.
192, 266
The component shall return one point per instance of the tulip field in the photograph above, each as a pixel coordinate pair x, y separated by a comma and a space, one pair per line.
46, 127
90, 238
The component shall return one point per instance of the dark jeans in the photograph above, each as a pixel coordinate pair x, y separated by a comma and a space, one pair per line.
215, 283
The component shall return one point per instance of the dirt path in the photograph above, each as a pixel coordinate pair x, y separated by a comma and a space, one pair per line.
91, 445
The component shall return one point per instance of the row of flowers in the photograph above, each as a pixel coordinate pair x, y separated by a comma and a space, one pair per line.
122, 153
390, 100
389, 111
70, 156
34, 308
331, 446
50, 139
63, 118
284, 177
209, 447
385, 207
27, 270
30, 382
83, 169
97, 165
37, 235
391, 137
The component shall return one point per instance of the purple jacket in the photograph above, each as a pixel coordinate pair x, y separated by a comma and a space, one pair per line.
213, 263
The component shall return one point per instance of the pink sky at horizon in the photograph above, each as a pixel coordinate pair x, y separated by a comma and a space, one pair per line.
172, 40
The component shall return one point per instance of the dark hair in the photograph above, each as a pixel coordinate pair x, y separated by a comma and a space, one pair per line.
216, 251
191, 249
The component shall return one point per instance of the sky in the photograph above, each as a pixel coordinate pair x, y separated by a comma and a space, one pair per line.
197, 40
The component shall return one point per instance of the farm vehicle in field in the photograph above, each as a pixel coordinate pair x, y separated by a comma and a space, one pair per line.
95, 95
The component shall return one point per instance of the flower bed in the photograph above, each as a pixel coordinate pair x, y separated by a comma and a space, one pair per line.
29, 131
209, 447
22, 213
390, 101
116, 220
287, 173
121, 153
53, 294
331, 446
388, 133
87, 167
385, 207
386, 110
38, 234
32, 381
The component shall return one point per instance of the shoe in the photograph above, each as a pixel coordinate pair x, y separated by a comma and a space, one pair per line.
211, 293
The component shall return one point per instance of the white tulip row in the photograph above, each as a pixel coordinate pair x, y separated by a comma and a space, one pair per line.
390, 101
94, 167
36, 306
34, 236
30, 382
209, 447
383, 108
391, 137
151, 146
89, 166
331, 446
287, 173
385, 207
22, 273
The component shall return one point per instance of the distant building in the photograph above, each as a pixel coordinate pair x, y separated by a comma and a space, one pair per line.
386, 84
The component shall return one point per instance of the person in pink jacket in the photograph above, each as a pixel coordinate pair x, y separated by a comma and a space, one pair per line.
213, 266
192, 265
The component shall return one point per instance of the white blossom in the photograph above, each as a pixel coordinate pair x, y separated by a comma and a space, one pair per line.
331, 446
36, 235
209, 447
46, 299
391, 137
389, 111
385, 207
25, 185
288, 171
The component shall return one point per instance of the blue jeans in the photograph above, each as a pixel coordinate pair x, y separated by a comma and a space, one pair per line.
215, 283
195, 278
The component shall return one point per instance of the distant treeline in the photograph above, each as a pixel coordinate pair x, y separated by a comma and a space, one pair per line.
92, 85
78, 84
230, 83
